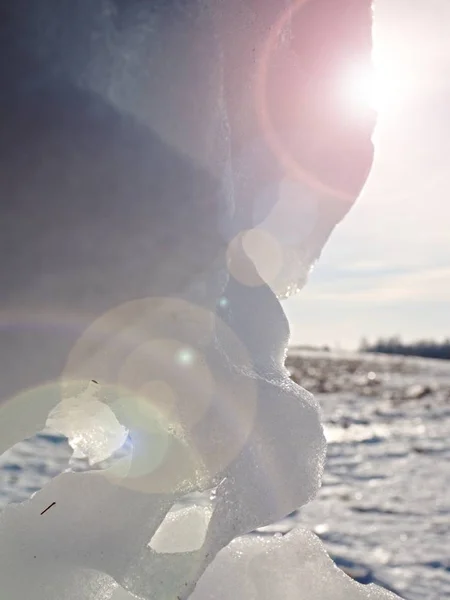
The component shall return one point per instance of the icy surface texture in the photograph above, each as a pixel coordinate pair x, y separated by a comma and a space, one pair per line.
292, 567
90, 426
170, 189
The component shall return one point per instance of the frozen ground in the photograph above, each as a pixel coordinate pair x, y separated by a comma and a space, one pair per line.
384, 508
385, 500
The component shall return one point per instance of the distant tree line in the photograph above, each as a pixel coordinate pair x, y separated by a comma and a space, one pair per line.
394, 345
324, 348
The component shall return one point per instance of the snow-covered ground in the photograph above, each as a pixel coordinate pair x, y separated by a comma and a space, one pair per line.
384, 508
385, 500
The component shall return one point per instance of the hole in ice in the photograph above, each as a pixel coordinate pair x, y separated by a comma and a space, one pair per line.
185, 525
81, 434
29, 465
183, 530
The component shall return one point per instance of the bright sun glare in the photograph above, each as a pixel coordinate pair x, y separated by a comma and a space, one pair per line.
367, 90
377, 88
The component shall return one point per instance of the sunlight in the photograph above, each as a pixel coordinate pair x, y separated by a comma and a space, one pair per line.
367, 89
380, 88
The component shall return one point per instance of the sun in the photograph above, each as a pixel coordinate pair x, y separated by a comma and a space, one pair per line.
366, 89
379, 87
363, 88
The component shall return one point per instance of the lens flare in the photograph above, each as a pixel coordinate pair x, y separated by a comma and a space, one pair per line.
159, 370
299, 154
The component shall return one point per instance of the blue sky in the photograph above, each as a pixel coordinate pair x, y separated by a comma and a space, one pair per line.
386, 267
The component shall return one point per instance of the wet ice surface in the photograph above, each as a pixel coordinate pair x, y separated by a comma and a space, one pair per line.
384, 509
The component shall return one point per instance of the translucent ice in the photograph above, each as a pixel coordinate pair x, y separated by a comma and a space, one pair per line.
152, 152
90, 426
292, 567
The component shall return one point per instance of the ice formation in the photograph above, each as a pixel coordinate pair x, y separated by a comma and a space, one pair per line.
90, 426
167, 172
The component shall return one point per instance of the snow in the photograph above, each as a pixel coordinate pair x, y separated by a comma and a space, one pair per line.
384, 505
110, 518
382, 511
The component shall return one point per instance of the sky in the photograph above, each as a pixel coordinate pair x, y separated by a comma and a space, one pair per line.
386, 268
